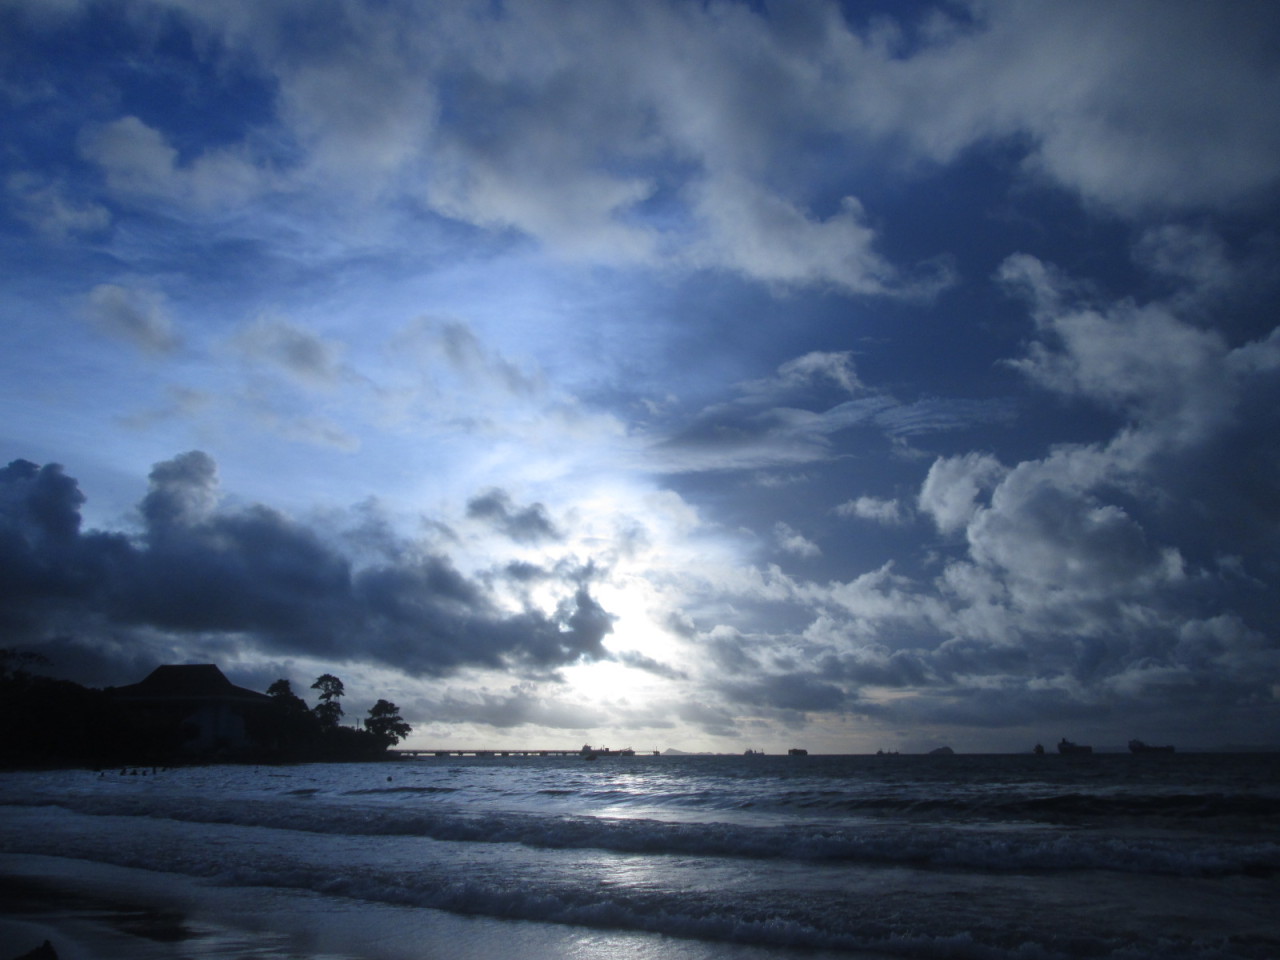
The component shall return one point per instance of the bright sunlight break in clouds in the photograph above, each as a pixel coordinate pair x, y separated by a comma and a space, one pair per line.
684, 374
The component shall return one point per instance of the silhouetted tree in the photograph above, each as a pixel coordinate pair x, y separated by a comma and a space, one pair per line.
328, 711
289, 725
385, 723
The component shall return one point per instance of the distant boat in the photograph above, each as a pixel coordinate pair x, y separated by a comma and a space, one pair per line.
886, 753
1039, 750
1066, 746
1137, 746
797, 752
589, 752
753, 753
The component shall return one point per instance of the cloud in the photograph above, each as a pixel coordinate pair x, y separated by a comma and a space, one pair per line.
888, 512
1088, 576
520, 706
792, 542
453, 348
299, 352
1195, 257
639, 661
796, 692
183, 493
765, 237
528, 525
813, 370
48, 206
951, 490
140, 164
139, 317
774, 423
203, 577
1087, 88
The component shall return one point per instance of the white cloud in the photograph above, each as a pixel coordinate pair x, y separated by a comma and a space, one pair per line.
1089, 86
791, 541
836, 366
565, 123
888, 512
951, 490
1181, 383
767, 237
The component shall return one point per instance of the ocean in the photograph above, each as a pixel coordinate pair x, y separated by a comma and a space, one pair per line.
689, 857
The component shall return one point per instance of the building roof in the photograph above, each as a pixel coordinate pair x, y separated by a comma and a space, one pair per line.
188, 681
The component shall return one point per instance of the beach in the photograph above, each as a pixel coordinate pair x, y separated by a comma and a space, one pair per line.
1113, 857
91, 911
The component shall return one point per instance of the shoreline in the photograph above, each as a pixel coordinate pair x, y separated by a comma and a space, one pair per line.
96, 911
89, 914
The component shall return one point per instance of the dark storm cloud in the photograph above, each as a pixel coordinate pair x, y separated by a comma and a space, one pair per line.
528, 525
254, 578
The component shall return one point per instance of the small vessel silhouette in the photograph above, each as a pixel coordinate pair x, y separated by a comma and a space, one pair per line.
1137, 746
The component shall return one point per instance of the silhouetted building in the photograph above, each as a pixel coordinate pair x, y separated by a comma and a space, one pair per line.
208, 711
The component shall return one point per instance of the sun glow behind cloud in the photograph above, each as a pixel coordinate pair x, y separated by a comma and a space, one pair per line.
724, 370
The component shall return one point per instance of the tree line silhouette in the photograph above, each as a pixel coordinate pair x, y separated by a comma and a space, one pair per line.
293, 729
46, 721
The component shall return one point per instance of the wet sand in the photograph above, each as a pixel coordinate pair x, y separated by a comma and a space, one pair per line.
107, 924
97, 912
94, 911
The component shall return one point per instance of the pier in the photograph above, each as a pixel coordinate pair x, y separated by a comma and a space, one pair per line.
508, 752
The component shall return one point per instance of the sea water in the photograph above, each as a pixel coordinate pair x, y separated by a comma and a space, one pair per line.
992, 857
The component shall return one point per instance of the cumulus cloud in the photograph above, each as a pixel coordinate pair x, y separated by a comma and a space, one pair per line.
203, 577
1088, 576
1097, 577
951, 490
793, 542
183, 493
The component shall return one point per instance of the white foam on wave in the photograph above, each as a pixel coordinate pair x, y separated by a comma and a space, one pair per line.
1031, 847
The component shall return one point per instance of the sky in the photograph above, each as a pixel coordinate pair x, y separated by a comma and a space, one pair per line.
697, 375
